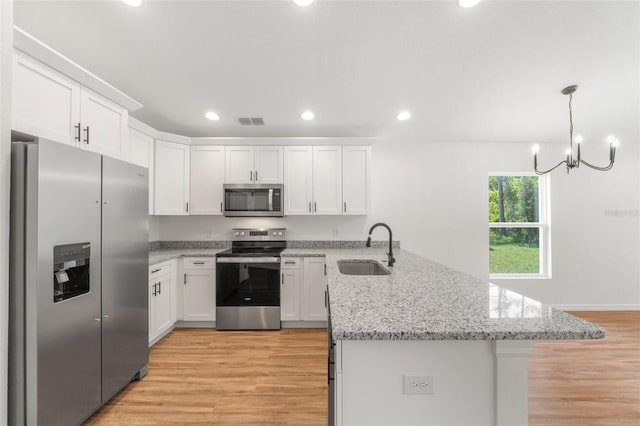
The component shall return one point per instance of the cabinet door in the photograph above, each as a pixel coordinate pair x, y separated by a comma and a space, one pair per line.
141, 153
298, 180
45, 103
268, 164
314, 286
207, 178
171, 179
290, 295
163, 301
356, 180
239, 164
153, 328
104, 125
327, 180
199, 295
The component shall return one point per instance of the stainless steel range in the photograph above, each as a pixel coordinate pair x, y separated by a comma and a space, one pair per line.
248, 280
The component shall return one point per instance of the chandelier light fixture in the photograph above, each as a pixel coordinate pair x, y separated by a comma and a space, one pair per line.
572, 161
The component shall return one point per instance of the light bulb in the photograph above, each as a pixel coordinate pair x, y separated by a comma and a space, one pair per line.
615, 143
567, 152
578, 139
307, 115
212, 116
467, 3
303, 3
536, 148
611, 139
403, 115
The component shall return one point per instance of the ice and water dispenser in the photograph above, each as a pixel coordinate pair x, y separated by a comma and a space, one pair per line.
70, 270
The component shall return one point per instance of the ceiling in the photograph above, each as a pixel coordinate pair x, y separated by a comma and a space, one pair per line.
492, 73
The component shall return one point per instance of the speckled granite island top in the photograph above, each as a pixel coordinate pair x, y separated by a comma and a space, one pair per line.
159, 256
424, 300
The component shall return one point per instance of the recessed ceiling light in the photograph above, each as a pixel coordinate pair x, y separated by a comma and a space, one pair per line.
303, 3
212, 116
307, 115
403, 115
134, 3
467, 3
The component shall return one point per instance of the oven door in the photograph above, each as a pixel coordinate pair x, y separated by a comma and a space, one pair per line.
248, 281
252, 200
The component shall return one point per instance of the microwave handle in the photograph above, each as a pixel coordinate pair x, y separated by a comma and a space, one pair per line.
271, 200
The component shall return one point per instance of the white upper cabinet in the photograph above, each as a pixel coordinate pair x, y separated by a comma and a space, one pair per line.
104, 125
356, 180
298, 180
327, 180
239, 164
52, 106
254, 164
268, 162
141, 153
171, 178
45, 103
207, 178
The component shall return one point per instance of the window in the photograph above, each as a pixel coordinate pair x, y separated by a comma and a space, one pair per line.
518, 226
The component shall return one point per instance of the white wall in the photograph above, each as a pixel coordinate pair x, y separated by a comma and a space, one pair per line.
6, 49
434, 197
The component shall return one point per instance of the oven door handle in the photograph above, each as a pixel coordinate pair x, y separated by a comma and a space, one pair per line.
270, 199
248, 260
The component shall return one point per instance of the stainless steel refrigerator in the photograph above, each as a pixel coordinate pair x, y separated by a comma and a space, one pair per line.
78, 281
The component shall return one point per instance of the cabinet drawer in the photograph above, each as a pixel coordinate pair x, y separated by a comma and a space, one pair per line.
199, 263
160, 269
290, 263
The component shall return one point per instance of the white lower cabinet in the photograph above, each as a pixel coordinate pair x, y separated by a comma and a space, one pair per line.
199, 301
290, 289
314, 287
161, 299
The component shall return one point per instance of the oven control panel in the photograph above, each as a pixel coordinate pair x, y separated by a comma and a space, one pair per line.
272, 234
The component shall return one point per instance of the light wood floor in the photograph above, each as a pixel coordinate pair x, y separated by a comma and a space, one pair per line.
200, 376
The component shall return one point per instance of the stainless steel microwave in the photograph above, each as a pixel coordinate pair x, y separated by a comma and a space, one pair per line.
253, 200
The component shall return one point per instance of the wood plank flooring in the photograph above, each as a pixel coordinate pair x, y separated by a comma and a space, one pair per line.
209, 377
588, 382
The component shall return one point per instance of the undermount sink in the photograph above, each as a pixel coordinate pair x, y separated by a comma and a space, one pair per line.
361, 267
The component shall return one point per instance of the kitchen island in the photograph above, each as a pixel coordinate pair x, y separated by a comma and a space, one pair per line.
463, 341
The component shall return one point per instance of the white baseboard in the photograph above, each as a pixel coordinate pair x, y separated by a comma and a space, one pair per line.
617, 307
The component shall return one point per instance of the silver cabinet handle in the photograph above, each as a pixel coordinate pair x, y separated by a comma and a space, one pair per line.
315, 206
77, 136
221, 206
86, 130
256, 175
156, 270
187, 207
282, 279
160, 288
251, 175
345, 206
289, 262
185, 279
309, 206
154, 288
198, 263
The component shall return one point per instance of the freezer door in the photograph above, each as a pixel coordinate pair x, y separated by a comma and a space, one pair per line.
125, 259
64, 188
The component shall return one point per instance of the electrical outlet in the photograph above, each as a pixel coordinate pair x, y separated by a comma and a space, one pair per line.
417, 384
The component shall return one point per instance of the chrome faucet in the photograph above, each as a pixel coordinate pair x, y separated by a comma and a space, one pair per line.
390, 254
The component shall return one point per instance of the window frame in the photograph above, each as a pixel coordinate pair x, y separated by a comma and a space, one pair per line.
543, 226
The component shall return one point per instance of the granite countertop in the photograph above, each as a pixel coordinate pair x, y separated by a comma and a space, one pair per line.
424, 300
162, 255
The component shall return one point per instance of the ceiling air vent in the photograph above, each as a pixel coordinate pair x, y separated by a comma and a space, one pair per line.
251, 121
